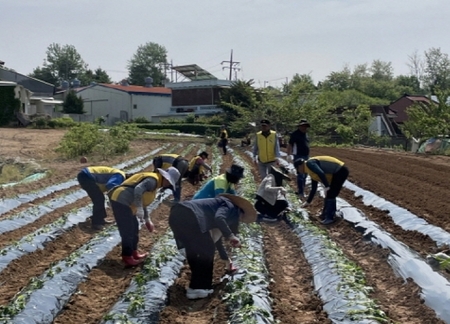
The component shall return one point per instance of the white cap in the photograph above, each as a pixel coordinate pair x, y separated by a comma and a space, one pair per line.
172, 175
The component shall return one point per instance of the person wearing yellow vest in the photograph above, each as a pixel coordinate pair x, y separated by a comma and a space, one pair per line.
223, 139
96, 180
164, 161
197, 167
266, 149
332, 173
129, 201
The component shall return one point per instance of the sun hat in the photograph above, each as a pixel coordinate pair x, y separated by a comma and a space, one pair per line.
280, 173
236, 170
303, 122
172, 175
245, 205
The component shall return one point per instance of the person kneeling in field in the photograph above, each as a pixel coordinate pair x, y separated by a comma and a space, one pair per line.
270, 197
197, 167
129, 201
164, 161
224, 183
97, 180
332, 173
198, 224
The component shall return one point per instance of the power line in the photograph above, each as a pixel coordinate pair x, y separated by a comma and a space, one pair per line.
233, 66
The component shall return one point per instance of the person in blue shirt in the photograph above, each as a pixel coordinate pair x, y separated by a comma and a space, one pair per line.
224, 183
299, 147
96, 180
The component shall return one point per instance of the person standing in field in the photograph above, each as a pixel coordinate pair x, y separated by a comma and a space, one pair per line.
332, 173
164, 161
298, 146
266, 149
129, 201
96, 180
223, 139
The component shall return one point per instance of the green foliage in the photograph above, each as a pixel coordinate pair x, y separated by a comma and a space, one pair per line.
73, 104
63, 122
217, 119
190, 119
148, 61
199, 129
40, 122
97, 76
426, 121
141, 120
79, 140
8, 105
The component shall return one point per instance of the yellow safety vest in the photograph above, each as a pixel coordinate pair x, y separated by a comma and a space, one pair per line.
132, 182
192, 164
220, 182
266, 146
226, 134
324, 158
168, 160
94, 170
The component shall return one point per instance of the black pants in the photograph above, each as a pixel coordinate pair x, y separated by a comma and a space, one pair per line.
337, 182
264, 207
128, 227
98, 199
224, 142
199, 246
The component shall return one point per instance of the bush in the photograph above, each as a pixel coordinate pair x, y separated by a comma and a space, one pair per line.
63, 122
79, 140
141, 120
40, 122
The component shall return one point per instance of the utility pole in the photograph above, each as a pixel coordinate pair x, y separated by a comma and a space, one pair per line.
233, 66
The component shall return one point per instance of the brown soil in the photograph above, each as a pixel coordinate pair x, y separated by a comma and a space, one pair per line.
411, 181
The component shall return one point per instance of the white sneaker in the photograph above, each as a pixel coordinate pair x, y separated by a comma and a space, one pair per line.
198, 293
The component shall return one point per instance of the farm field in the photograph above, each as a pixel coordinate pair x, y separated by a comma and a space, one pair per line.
368, 267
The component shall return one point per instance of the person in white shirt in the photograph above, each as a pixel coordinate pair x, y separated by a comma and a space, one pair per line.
271, 202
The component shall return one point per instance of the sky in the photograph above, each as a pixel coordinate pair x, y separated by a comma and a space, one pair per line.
271, 40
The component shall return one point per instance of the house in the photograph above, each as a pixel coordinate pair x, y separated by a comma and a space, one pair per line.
198, 92
41, 101
400, 106
122, 102
383, 123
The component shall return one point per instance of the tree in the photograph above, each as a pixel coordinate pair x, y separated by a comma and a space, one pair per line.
429, 120
382, 71
416, 65
149, 60
338, 80
437, 70
97, 76
63, 63
44, 74
73, 104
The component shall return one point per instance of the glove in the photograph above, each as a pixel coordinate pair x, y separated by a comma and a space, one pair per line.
229, 268
140, 214
283, 191
255, 160
305, 204
149, 225
325, 190
234, 241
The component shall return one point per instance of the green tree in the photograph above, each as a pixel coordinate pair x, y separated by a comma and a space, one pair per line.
429, 120
340, 80
44, 74
73, 104
62, 63
381, 71
436, 71
148, 61
97, 76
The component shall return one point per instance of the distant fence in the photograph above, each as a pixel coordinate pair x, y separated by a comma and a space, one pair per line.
386, 142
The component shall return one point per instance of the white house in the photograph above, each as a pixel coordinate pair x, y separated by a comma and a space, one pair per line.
117, 102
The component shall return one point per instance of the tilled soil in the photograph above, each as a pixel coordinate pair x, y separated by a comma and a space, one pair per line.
411, 181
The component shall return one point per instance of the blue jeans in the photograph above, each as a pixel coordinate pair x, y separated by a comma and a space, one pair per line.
301, 178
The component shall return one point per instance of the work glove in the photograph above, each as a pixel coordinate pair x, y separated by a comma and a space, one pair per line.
283, 191
305, 204
149, 225
140, 214
234, 241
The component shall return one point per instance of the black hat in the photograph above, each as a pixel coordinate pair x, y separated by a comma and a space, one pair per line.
298, 162
204, 154
303, 122
236, 170
265, 122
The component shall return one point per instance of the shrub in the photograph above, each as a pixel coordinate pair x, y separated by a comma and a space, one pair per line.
79, 140
141, 120
200, 129
63, 122
40, 122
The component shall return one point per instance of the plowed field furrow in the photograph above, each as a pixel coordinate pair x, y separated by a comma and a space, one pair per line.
291, 287
106, 282
413, 194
